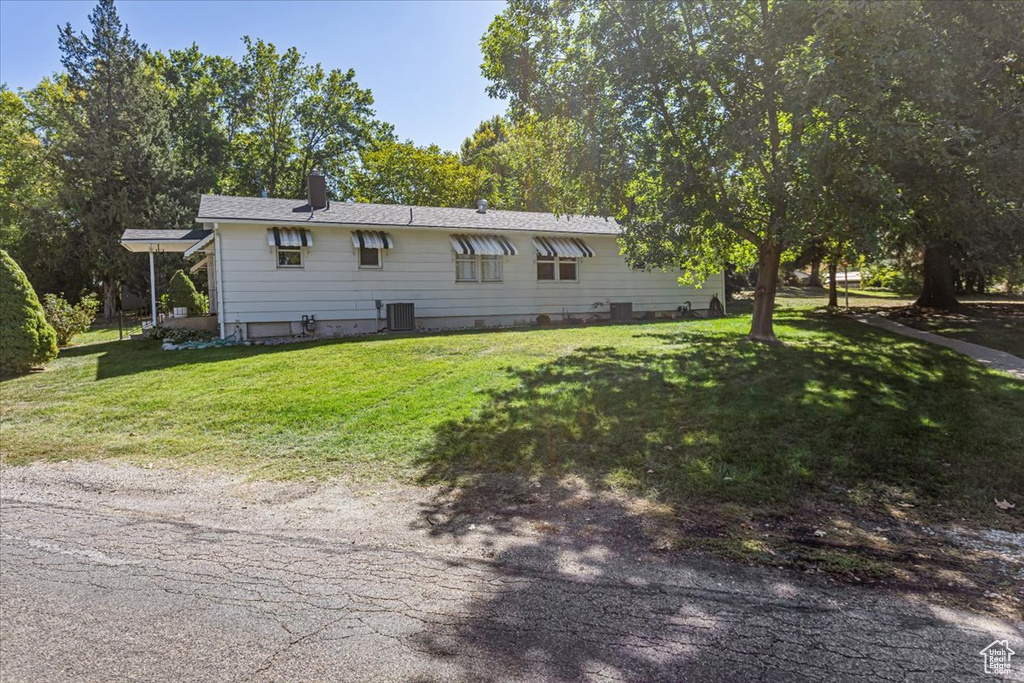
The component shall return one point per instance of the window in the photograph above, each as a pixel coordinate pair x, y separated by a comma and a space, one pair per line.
557, 268
566, 269
289, 257
369, 258
546, 267
465, 268
490, 268
474, 268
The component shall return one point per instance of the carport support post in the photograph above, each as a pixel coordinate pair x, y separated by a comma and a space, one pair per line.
152, 284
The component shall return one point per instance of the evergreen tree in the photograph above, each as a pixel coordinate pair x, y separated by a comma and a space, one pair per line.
114, 154
26, 339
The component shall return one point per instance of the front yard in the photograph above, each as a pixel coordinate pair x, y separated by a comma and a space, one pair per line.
746, 449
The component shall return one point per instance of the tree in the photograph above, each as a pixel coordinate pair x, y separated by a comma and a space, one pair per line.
948, 133
182, 294
489, 134
693, 120
196, 88
289, 118
26, 339
114, 153
22, 176
402, 173
526, 164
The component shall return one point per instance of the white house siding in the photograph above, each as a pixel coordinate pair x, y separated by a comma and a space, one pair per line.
260, 299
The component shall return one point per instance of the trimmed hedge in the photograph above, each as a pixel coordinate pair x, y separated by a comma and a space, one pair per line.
27, 340
182, 294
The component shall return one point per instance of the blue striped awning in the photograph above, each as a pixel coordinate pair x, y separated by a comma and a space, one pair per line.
484, 245
371, 239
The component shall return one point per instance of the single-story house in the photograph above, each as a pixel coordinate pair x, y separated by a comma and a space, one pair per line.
280, 267
843, 278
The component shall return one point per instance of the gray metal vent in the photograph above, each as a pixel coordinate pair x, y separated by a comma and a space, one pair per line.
622, 312
401, 317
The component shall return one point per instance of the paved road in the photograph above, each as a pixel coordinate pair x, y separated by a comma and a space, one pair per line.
125, 574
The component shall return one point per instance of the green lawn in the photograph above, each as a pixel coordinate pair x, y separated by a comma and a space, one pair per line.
998, 326
105, 332
675, 411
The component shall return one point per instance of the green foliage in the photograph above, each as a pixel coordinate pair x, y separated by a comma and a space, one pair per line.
69, 321
181, 293
834, 125
22, 182
695, 123
402, 173
177, 335
113, 151
527, 164
128, 138
26, 339
901, 278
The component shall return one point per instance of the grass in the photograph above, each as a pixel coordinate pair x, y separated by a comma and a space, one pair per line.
676, 411
997, 326
106, 332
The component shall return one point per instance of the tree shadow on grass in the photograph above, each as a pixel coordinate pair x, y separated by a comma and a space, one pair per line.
711, 431
720, 439
713, 416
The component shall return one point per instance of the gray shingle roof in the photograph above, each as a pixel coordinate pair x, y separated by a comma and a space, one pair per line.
193, 235
217, 208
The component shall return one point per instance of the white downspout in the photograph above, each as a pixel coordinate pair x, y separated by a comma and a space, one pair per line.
219, 263
152, 283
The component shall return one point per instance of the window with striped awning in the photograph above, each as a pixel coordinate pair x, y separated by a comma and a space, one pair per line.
289, 237
566, 247
482, 245
371, 239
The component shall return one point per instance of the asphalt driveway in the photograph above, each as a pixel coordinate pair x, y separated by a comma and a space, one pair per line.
127, 574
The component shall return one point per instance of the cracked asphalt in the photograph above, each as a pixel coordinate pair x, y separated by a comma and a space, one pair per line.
116, 573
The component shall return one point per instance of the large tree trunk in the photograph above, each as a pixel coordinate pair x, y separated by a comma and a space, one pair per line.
815, 279
109, 298
833, 289
938, 289
761, 328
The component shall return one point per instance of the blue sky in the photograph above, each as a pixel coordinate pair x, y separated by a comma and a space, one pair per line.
420, 59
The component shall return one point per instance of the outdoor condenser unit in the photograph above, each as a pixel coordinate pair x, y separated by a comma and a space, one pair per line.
622, 312
401, 317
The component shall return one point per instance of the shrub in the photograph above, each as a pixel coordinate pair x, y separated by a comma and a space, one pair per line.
26, 339
69, 321
903, 280
182, 293
177, 335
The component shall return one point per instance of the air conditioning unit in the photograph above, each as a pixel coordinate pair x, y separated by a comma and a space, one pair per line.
401, 317
622, 312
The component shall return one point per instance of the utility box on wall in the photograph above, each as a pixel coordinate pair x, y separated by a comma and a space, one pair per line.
622, 312
401, 317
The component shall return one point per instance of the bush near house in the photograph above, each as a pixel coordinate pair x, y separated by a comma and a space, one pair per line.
182, 293
26, 338
70, 321
891, 277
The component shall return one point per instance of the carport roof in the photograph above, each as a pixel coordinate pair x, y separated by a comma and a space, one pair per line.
162, 240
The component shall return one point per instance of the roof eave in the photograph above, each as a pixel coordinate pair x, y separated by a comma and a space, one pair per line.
394, 226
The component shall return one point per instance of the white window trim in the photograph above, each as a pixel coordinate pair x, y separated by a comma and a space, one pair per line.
556, 260
478, 259
298, 250
380, 259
